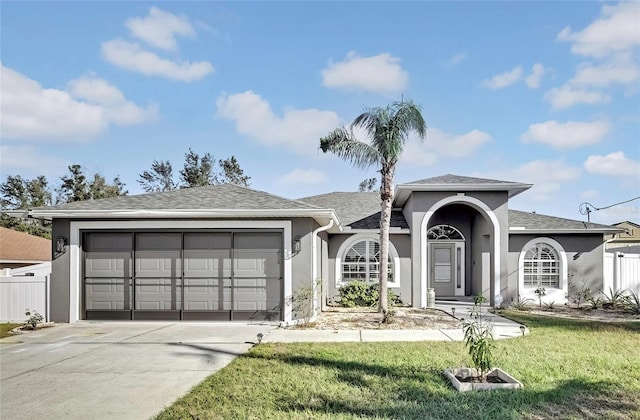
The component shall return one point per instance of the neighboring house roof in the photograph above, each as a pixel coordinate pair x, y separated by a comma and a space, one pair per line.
459, 183
525, 222
21, 247
626, 223
357, 210
224, 200
630, 233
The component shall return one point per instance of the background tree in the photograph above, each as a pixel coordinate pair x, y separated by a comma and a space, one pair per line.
159, 178
232, 173
368, 185
197, 172
388, 129
99, 188
19, 193
75, 187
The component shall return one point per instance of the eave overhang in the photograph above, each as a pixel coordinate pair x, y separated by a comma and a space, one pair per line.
322, 216
524, 231
403, 191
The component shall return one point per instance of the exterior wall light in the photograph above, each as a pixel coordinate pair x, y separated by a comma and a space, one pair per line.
297, 245
61, 243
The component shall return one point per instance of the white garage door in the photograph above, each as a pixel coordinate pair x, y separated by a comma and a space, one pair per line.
183, 275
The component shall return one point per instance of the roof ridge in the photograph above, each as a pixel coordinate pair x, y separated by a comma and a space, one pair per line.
587, 225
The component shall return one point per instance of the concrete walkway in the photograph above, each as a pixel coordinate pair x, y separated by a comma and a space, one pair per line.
502, 328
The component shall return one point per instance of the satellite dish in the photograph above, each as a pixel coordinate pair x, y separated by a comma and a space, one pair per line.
584, 209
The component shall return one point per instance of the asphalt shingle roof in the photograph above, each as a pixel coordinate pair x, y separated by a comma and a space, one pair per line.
223, 197
457, 179
532, 221
358, 210
20, 246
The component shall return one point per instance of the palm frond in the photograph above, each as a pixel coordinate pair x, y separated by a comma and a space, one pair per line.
408, 118
342, 143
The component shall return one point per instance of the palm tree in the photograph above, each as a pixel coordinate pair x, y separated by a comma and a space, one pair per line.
387, 129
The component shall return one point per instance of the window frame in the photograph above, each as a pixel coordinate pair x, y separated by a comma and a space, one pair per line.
541, 266
562, 268
349, 243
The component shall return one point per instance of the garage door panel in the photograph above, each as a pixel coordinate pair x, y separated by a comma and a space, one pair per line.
104, 293
158, 294
108, 264
207, 294
158, 263
211, 263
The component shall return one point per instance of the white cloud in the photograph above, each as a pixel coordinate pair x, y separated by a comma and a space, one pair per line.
547, 177
381, 73
297, 130
533, 80
589, 194
159, 28
455, 60
27, 159
304, 177
616, 214
505, 79
612, 40
131, 56
115, 106
615, 30
567, 135
613, 164
440, 143
30, 111
620, 71
567, 96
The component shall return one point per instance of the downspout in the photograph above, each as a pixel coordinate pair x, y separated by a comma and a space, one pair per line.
314, 265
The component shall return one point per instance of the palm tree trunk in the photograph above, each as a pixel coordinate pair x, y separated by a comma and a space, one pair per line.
386, 197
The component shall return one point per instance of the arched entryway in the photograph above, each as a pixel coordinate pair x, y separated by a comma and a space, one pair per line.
478, 254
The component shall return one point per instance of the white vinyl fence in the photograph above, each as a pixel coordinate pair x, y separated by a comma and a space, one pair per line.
621, 271
19, 293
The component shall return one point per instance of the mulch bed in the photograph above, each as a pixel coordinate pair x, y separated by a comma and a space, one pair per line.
404, 318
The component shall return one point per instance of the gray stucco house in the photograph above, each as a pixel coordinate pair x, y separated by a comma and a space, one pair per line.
225, 252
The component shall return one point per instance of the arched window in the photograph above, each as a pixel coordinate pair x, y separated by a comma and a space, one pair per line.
541, 266
362, 262
444, 232
358, 259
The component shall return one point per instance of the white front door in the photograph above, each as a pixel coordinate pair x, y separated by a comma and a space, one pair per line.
443, 268
447, 268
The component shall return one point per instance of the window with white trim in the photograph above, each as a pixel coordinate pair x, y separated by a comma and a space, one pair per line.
542, 266
362, 262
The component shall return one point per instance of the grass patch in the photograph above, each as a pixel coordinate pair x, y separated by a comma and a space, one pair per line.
570, 369
6, 327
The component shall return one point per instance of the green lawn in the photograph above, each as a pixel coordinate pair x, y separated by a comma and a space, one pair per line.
570, 369
6, 327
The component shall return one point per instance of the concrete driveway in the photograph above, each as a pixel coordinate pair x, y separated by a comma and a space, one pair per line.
113, 370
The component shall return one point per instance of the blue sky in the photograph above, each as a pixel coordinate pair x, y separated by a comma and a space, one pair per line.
536, 92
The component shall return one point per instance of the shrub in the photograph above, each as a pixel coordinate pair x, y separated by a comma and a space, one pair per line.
520, 304
302, 303
478, 338
615, 299
579, 295
359, 293
540, 291
594, 302
34, 319
632, 303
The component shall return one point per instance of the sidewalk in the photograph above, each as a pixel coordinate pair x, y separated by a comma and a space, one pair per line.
502, 328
